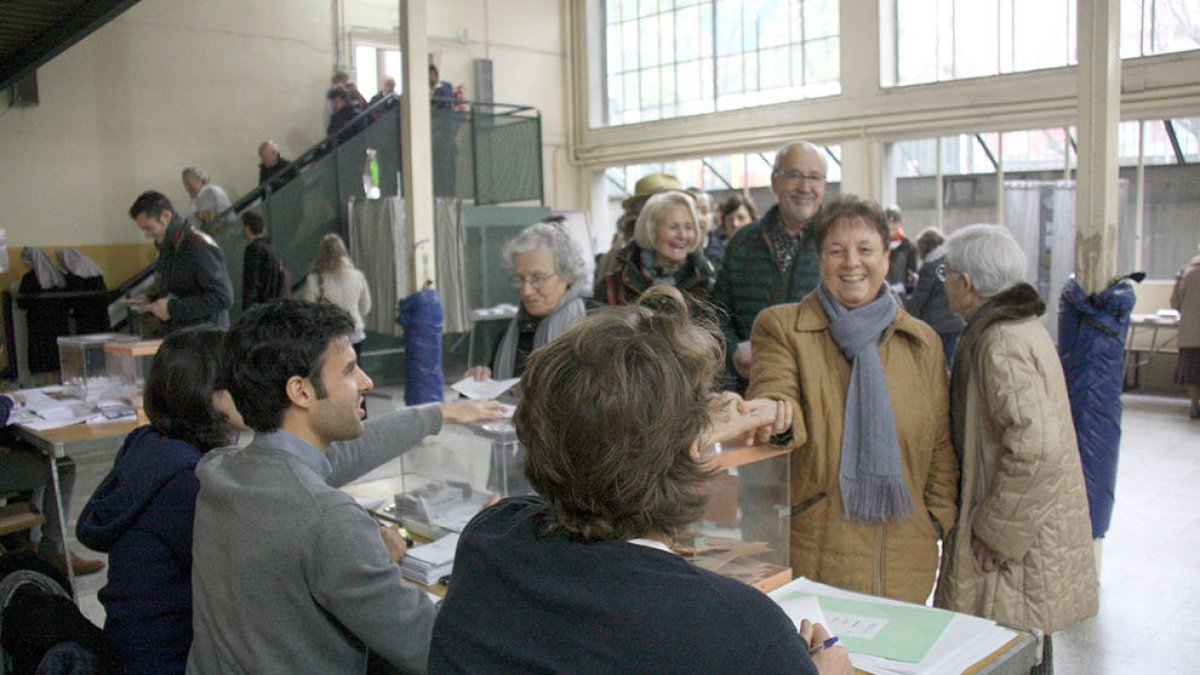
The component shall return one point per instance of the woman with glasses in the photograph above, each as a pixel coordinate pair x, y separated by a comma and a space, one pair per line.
928, 300
336, 280
549, 276
665, 250
1021, 551
874, 476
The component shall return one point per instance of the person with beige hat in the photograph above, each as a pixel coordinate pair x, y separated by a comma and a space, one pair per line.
646, 187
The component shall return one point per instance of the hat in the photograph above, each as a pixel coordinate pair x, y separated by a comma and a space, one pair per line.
652, 183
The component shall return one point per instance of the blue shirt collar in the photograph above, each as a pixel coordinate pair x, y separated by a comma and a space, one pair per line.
294, 445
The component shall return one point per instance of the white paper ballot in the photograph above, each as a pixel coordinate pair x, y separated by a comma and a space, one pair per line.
488, 389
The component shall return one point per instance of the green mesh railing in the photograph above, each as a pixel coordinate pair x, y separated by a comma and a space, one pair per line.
489, 153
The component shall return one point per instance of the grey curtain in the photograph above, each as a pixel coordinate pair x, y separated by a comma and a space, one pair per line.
380, 245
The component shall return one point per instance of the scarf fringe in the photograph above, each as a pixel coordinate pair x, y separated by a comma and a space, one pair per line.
876, 499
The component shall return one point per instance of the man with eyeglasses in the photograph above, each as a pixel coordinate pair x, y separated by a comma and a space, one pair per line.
772, 260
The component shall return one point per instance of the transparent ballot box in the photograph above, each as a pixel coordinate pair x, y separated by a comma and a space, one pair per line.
129, 362
85, 372
444, 483
744, 531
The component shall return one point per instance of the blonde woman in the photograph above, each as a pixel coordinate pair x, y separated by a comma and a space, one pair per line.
335, 279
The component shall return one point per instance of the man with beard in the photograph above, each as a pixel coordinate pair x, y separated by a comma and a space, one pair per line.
290, 574
772, 260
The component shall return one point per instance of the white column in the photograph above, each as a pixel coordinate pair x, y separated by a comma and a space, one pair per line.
416, 156
1099, 116
859, 47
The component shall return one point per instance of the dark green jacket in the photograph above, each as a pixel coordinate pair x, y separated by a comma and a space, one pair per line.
750, 281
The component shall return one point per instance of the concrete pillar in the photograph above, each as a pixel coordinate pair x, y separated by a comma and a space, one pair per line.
416, 156
1099, 115
862, 158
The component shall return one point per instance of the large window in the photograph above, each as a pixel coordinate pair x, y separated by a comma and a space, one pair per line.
938, 40
372, 64
671, 58
1151, 27
722, 172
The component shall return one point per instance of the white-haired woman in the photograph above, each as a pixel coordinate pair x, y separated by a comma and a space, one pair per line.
665, 250
1021, 549
550, 277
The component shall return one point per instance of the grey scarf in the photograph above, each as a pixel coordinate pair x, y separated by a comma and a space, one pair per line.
871, 475
568, 312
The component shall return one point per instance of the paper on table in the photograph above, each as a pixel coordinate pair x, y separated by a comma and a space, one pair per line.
488, 389
879, 629
800, 606
964, 643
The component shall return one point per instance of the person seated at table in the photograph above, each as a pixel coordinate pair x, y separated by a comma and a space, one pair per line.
614, 415
549, 276
25, 469
141, 514
665, 251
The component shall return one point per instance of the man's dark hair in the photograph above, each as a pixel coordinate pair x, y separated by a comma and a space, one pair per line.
850, 206
609, 412
178, 396
272, 342
254, 222
150, 203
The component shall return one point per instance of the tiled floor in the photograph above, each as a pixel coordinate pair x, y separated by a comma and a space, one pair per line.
1150, 587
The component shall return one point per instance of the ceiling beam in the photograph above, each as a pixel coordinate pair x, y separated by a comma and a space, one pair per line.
58, 38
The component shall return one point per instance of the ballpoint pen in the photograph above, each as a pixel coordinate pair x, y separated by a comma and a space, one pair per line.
823, 645
408, 540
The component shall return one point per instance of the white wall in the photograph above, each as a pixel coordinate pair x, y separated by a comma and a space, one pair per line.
168, 84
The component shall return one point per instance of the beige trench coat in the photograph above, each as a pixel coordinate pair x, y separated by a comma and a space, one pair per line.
796, 360
1022, 489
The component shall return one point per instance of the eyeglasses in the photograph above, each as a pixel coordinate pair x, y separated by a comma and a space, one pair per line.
535, 281
798, 176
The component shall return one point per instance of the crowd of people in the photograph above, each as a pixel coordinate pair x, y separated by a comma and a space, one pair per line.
923, 401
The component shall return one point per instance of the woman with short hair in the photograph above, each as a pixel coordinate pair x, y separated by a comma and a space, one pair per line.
735, 212
665, 251
582, 578
874, 477
549, 275
1021, 549
928, 300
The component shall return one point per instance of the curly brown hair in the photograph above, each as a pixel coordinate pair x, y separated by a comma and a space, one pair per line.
610, 412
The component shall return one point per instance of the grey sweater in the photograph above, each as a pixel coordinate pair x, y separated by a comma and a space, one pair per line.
290, 575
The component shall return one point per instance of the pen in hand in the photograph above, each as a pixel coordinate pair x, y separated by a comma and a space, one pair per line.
823, 645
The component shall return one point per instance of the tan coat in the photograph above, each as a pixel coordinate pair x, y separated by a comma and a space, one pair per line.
1186, 298
1022, 488
796, 360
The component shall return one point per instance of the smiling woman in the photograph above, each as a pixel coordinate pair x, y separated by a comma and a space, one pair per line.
665, 250
874, 485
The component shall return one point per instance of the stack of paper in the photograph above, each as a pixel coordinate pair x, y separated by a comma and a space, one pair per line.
891, 637
429, 563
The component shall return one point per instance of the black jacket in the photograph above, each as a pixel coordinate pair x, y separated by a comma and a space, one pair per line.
263, 274
191, 270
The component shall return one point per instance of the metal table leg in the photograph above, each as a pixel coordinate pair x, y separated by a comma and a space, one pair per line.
63, 516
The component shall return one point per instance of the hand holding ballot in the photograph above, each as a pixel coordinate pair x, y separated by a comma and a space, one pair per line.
393, 541
465, 412
829, 657
743, 422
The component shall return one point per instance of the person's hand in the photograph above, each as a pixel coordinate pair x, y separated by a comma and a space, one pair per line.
464, 412
989, 560
833, 660
393, 542
780, 413
741, 362
480, 373
742, 422
134, 301
19, 399
159, 309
